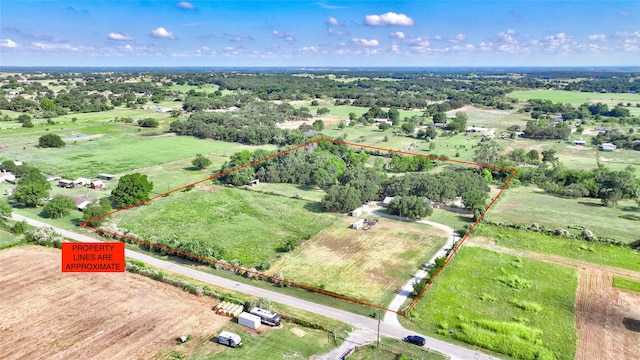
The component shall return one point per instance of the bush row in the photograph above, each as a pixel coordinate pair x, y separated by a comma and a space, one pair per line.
585, 234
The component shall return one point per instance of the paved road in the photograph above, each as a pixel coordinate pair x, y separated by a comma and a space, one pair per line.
366, 324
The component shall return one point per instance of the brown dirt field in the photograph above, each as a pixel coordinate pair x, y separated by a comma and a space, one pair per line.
47, 314
363, 264
601, 309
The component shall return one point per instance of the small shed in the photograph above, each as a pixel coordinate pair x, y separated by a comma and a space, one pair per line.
607, 147
106, 176
358, 224
249, 320
97, 184
17, 162
579, 142
83, 205
357, 212
387, 201
81, 181
65, 183
254, 182
7, 176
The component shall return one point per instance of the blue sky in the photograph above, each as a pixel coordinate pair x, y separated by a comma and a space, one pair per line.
319, 33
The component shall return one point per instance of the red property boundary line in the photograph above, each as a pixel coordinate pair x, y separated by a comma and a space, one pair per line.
84, 224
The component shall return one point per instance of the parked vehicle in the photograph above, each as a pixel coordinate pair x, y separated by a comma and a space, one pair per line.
229, 339
266, 317
415, 339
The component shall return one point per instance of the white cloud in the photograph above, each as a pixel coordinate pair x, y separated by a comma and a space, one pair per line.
333, 21
54, 47
186, 5
327, 6
338, 32
118, 36
558, 42
128, 47
508, 37
8, 43
437, 37
285, 36
162, 33
365, 42
389, 18
457, 38
598, 37
397, 35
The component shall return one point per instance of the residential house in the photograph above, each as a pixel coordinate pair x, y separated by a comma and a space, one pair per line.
608, 147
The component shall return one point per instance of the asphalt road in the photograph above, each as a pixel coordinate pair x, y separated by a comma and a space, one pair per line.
455, 352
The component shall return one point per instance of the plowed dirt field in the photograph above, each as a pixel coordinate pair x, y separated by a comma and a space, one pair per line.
47, 314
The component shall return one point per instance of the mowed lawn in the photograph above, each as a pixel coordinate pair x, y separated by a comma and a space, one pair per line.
289, 341
362, 264
527, 205
248, 226
514, 306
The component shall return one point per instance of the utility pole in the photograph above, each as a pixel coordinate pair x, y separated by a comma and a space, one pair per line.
378, 341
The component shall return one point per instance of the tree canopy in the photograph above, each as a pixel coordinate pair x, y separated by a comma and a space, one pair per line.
131, 189
31, 189
59, 206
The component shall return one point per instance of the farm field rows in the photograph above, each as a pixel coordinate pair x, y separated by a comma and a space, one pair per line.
362, 264
503, 303
92, 315
526, 205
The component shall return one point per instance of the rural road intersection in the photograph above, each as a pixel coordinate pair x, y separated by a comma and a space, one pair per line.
366, 327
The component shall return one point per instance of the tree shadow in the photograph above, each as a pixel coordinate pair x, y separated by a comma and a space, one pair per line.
631, 324
589, 204
190, 168
314, 207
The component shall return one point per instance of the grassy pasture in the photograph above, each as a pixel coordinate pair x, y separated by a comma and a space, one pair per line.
7, 238
593, 252
287, 342
115, 154
518, 307
527, 205
366, 265
248, 226
625, 284
578, 157
575, 97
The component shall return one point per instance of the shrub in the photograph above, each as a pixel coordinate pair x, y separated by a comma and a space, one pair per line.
19, 227
50, 141
588, 235
526, 305
148, 122
514, 281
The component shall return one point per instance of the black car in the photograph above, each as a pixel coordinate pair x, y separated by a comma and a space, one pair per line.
415, 340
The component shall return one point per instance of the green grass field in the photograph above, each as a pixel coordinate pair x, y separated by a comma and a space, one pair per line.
287, 342
368, 265
518, 307
593, 252
626, 284
527, 205
7, 238
115, 154
248, 226
575, 97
